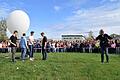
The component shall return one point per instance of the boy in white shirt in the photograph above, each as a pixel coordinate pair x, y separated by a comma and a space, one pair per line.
30, 44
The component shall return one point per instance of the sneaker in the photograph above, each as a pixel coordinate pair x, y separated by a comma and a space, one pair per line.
23, 60
31, 59
28, 56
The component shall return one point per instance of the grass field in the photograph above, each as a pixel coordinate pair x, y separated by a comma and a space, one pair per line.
61, 66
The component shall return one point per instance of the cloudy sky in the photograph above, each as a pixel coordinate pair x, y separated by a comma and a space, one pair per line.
56, 17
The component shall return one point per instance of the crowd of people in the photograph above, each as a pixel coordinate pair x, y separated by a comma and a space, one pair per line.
63, 46
74, 46
30, 46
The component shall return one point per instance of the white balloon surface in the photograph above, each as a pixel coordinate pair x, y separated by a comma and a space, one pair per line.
18, 20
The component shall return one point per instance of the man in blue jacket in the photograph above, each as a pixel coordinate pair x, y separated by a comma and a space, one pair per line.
23, 46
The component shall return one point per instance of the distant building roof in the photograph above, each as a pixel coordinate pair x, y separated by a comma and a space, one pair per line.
72, 35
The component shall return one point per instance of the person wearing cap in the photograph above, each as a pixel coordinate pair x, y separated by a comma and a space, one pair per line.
103, 38
44, 43
30, 44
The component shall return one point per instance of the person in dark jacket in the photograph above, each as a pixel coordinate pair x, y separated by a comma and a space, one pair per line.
103, 38
44, 45
13, 44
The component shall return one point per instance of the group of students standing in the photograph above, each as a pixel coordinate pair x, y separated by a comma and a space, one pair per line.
24, 46
103, 38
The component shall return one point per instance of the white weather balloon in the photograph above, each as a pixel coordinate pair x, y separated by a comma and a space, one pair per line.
18, 20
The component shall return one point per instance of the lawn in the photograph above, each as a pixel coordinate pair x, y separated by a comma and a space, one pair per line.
60, 66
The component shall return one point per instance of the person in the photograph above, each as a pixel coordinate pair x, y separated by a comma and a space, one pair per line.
103, 44
4, 46
117, 46
0, 46
13, 44
31, 43
9, 48
23, 46
113, 45
44, 43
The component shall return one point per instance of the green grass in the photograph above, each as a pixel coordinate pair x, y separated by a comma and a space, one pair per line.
61, 66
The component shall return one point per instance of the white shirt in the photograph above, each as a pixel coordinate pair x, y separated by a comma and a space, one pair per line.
53, 45
31, 40
0, 45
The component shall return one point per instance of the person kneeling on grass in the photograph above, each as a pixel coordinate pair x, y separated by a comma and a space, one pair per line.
23, 46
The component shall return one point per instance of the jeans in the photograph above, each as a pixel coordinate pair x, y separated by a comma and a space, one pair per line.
103, 51
44, 54
57, 49
13, 51
61, 49
117, 50
23, 53
31, 51
53, 50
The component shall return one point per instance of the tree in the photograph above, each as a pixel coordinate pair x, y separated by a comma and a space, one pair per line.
90, 35
3, 29
115, 36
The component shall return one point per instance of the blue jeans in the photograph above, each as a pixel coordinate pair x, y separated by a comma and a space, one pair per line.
57, 49
44, 54
61, 49
23, 53
31, 51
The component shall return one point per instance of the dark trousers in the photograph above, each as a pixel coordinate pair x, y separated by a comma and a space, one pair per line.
31, 51
103, 51
44, 54
13, 51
